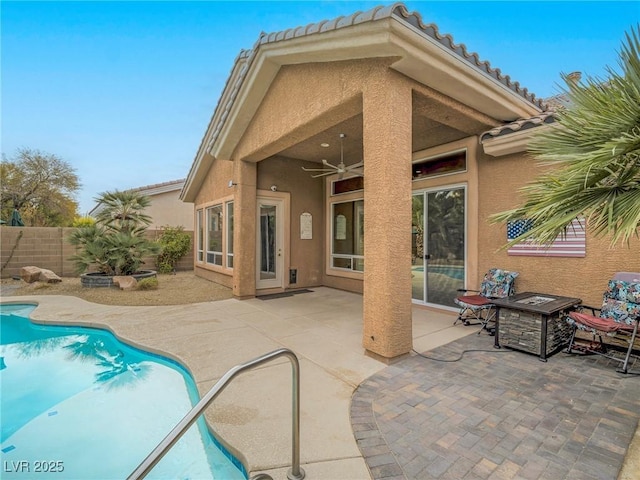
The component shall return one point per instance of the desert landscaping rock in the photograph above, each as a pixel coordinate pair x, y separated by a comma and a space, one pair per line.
30, 274
47, 276
125, 282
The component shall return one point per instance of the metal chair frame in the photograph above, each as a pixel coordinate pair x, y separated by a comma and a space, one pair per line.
478, 309
625, 328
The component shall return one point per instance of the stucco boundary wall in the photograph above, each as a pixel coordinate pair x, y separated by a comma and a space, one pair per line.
47, 247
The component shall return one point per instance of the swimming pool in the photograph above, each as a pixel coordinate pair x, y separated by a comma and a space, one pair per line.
78, 404
456, 272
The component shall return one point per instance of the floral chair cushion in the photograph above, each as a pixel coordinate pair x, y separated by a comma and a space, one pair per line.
621, 302
498, 283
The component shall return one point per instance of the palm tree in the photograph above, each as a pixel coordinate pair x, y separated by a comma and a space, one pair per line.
123, 211
116, 244
595, 149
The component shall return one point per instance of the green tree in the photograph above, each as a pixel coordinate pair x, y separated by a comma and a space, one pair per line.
40, 186
594, 150
116, 244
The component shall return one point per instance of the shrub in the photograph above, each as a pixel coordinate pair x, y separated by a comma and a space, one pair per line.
175, 244
150, 283
81, 222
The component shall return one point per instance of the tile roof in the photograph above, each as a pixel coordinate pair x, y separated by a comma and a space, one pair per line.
553, 104
519, 125
397, 10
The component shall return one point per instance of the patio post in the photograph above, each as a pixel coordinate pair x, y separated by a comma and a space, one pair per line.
244, 232
387, 101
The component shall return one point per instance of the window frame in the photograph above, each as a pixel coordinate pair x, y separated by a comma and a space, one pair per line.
355, 260
229, 227
215, 254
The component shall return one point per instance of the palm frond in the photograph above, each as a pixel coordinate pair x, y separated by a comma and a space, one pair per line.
594, 154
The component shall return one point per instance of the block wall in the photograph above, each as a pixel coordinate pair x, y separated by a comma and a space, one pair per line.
47, 247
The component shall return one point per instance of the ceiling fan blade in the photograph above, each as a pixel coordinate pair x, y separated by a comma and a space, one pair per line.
356, 165
324, 162
315, 169
322, 174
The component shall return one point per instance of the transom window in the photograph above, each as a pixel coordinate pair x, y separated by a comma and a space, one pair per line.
443, 165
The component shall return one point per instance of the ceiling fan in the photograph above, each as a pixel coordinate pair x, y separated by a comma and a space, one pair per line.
340, 169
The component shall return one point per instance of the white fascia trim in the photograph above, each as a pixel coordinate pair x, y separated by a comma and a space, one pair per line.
458, 78
507, 144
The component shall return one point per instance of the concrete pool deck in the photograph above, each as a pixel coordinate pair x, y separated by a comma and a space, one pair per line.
253, 415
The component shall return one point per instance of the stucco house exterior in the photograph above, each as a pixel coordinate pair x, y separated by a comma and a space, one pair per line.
442, 136
166, 207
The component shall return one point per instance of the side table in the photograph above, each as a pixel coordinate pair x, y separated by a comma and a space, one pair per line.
532, 322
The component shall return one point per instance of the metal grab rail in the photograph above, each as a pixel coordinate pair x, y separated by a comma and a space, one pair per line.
294, 473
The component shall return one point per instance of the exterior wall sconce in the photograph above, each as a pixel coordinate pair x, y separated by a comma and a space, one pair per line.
231, 183
274, 188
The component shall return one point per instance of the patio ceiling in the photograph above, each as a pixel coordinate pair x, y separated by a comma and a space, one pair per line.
433, 124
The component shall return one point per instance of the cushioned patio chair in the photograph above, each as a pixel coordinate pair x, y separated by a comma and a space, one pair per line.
618, 318
478, 309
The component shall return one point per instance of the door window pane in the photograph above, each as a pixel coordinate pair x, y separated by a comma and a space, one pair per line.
267, 242
417, 247
444, 243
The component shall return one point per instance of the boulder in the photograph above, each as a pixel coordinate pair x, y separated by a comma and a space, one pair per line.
125, 282
47, 276
30, 274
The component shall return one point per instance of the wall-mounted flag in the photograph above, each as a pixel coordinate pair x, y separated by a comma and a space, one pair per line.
571, 244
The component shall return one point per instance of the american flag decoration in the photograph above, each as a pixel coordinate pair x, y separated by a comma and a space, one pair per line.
571, 244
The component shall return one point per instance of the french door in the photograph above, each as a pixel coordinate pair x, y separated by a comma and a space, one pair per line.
270, 258
438, 245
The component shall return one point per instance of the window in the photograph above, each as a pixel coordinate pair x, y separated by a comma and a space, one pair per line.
200, 238
451, 163
347, 185
347, 240
214, 235
229, 247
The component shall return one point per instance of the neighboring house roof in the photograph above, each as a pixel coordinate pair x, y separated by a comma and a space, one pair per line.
149, 190
351, 37
163, 187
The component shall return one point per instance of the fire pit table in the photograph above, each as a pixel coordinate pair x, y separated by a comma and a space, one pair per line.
533, 323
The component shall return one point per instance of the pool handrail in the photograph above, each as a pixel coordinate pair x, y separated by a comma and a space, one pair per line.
294, 473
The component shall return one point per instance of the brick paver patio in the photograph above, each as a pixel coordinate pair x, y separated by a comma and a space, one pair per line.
499, 414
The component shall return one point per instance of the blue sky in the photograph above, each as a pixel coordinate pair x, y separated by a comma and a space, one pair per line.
124, 91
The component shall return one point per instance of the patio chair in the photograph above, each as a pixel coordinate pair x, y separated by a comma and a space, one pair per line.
618, 319
478, 309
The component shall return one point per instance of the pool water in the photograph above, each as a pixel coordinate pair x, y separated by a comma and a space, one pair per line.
450, 271
78, 404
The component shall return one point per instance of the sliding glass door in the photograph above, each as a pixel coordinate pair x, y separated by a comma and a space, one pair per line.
438, 245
